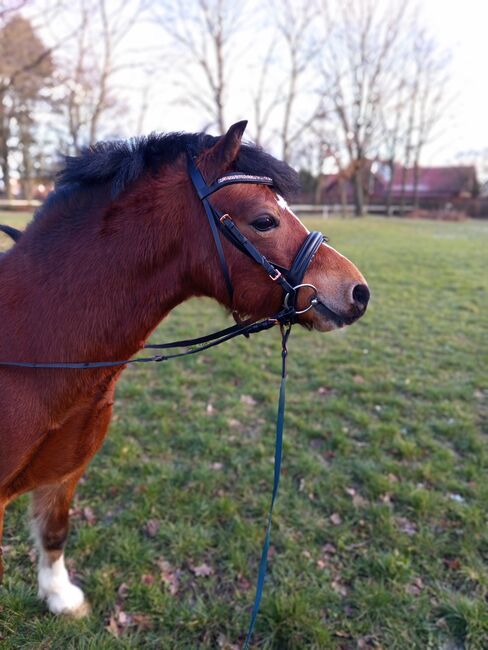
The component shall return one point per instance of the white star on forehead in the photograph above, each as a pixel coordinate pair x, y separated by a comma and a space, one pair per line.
284, 206
281, 202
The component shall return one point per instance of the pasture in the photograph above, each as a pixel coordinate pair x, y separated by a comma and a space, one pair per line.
380, 535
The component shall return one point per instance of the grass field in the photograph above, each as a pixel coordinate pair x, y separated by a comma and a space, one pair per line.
380, 537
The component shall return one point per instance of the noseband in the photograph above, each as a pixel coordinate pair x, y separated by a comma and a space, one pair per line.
289, 279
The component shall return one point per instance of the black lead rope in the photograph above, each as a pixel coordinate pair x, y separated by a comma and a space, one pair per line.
280, 422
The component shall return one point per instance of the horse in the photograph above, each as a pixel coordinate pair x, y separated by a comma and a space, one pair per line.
117, 245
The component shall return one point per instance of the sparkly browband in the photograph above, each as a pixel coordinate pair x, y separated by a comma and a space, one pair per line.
230, 179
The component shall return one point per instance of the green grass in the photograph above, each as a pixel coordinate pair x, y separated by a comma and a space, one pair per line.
380, 536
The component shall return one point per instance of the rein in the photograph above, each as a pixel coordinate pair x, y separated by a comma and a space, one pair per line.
289, 279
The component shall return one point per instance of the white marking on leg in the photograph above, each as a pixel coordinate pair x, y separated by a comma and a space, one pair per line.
61, 595
55, 587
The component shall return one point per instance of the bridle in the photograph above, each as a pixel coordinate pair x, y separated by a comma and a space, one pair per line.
291, 280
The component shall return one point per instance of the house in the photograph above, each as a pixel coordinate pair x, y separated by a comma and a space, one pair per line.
431, 186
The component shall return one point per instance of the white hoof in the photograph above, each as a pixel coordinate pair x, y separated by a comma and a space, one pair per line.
60, 594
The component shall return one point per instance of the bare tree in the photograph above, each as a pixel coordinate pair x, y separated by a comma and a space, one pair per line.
430, 83
358, 60
295, 23
91, 65
202, 35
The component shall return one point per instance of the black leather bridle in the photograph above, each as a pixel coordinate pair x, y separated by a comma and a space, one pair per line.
289, 279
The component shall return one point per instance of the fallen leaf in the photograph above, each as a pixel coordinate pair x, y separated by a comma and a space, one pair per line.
210, 409
142, 621
247, 399
336, 519
151, 527
325, 390
112, 627
89, 515
329, 548
123, 590
339, 588
452, 563
359, 501
358, 379
243, 583
147, 579
415, 587
224, 643
217, 466
202, 570
406, 526
168, 575
123, 619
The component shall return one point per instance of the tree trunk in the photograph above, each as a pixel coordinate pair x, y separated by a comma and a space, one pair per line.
389, 187
358, 192
416, 185
4, 163
343, 194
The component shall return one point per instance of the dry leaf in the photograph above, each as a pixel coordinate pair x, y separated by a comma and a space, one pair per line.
339, 588
168, 575
329, 548
202, 570
89, 515
336, 519
325, 390
112, 627
406, 526
247, 399
142, 621
358, 379
147, 579
359, 501
123, 590
151, 527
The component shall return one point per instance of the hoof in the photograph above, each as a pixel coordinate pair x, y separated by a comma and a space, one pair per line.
70, 601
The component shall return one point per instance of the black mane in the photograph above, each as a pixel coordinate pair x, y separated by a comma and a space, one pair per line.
121, 162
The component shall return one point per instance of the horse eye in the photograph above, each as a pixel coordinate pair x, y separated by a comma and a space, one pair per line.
267, 222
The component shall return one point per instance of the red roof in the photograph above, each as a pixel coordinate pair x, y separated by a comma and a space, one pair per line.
435, 181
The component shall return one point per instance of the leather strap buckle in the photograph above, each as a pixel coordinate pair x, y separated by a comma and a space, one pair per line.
277, 276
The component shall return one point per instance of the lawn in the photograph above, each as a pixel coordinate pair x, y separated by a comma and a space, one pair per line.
380, 536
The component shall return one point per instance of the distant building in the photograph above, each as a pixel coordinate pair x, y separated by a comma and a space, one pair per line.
431, 186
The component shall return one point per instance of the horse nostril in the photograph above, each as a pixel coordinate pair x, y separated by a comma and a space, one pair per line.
360, 294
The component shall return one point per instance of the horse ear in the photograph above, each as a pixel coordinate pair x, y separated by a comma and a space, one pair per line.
220, 157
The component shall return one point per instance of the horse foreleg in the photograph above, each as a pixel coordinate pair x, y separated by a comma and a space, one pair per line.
50, 507
2, 512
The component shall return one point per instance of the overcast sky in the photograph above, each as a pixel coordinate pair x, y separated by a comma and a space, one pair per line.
462, 28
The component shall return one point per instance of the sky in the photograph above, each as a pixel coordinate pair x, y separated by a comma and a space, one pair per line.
462, 28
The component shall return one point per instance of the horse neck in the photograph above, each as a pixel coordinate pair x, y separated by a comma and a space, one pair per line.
94, 287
